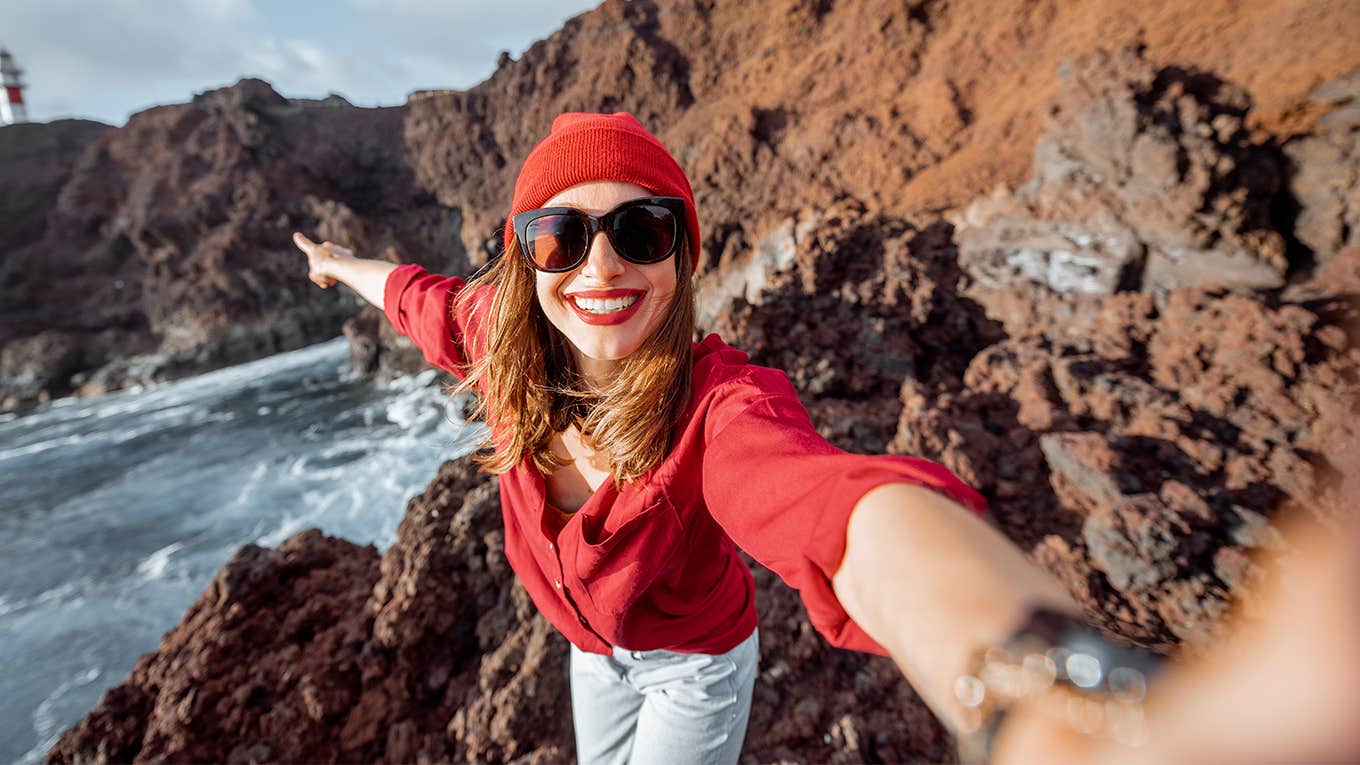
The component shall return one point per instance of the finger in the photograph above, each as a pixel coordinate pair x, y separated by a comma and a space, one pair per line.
335, 250
303, 243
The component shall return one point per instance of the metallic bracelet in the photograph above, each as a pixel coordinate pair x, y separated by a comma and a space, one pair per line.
1098, 684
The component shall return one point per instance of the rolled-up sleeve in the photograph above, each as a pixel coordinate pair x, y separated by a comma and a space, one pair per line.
784, 494
421, 306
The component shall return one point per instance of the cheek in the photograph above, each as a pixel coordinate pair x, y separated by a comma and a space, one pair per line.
548, 303
663, 282
545, 289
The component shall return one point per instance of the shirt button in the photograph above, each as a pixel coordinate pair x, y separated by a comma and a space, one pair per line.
557, 583
550, 547
582, 620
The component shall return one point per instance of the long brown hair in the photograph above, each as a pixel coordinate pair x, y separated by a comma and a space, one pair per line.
530, 387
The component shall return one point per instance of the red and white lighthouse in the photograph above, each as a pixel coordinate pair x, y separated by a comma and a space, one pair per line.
12, 101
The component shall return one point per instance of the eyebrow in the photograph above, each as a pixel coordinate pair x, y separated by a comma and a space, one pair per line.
594, 210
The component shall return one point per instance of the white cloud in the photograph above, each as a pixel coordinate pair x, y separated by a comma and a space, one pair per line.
298, 66
215, 9
108, 59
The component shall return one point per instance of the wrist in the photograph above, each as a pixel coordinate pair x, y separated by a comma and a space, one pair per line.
1057, 689
341, 266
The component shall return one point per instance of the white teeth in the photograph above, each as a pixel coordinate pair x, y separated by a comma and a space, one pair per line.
608, 305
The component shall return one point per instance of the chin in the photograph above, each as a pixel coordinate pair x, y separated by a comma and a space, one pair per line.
608, 351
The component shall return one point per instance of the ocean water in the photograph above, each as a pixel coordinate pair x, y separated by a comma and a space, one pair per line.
117, 511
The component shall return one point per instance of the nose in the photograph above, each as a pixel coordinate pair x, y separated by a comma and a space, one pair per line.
602, 263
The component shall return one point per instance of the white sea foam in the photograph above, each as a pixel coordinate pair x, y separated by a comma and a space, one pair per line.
62, 593
412, 410
47, 725
246, 495
41, 446
416, 381
153, 567
202, 417
315, 504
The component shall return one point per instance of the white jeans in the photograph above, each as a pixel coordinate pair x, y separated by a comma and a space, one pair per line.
642, 707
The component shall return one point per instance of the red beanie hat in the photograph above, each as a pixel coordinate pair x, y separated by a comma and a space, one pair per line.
601, 147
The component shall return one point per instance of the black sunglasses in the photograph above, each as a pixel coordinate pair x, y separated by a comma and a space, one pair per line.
642, 231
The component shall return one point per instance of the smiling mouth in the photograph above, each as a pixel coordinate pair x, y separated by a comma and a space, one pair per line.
605, 305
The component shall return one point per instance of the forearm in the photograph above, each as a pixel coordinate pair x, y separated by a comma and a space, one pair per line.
933, 583
364, 276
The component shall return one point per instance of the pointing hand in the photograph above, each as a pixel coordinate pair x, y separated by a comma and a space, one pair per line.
322, 259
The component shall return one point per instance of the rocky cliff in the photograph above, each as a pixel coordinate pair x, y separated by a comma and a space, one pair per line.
1099, 260
165, 249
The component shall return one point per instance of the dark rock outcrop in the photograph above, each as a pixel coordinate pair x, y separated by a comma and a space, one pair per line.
1146, 179
909, 109
1326, 173
167, 250
867, 302
1139, 450
36, 161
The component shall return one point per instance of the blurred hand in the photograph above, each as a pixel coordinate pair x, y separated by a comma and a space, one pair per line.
1276, 689
322, 259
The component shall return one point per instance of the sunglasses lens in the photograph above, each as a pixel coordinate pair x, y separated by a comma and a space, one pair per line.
557, 242
644, 233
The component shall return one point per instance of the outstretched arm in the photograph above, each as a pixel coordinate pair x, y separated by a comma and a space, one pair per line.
328, 263
933, 583
887, 552
419, 304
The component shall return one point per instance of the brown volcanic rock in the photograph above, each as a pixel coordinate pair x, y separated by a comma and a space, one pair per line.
1145, 179
36, 160
260, 666
377, 350
850, 312
168, 250
787, 106
1326, 177
1140, 452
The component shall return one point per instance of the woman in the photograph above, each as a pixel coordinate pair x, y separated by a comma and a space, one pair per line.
634, 462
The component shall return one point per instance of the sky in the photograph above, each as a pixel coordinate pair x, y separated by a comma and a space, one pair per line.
107, 59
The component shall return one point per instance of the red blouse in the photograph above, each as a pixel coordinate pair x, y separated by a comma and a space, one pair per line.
655, 566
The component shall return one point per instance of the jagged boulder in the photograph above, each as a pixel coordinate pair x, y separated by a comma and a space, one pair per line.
1326, 170
1146, 178
1140, 452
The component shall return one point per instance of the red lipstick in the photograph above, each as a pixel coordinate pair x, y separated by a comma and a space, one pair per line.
606, 319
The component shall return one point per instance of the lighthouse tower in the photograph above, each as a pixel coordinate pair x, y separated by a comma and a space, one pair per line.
12, 100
